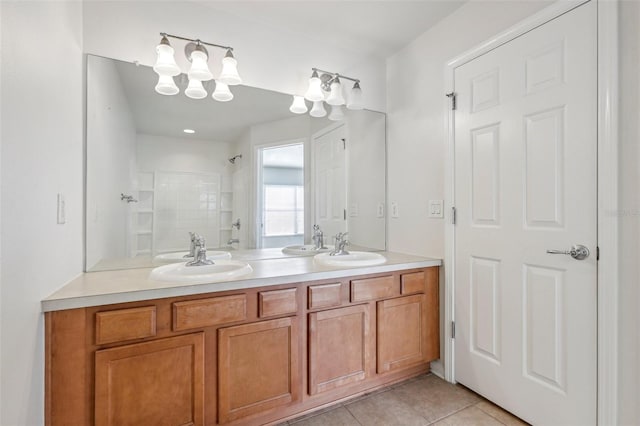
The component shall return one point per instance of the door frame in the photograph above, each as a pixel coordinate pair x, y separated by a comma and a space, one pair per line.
257, 182
607, 190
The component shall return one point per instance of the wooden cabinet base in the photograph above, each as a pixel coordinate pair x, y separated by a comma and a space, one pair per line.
245, 357
173, 367
258, 368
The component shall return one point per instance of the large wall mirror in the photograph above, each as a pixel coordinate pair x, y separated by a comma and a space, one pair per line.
250, 175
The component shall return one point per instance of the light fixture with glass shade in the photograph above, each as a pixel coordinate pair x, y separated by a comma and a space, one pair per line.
166, 85
166, 62
335, 97
355, 97
318, 110
298, 106
195, 90
336, 113
222, 92
229, 74
320, 83
199, 71
314, 92
198, 55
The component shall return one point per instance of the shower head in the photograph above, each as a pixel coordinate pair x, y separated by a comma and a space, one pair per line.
233, 159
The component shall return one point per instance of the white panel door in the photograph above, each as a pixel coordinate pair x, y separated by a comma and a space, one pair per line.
525, 182
329, 170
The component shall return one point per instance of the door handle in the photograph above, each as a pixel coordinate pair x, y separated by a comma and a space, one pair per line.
578, 252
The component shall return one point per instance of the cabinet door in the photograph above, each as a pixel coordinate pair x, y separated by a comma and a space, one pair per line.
339, 347
153, 383
407, 332
257, 367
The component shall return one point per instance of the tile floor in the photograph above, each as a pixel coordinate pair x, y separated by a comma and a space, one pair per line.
425, 400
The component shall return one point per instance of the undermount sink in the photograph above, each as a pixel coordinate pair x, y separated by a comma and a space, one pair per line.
305, 250
221, 270
179, 257
354, 258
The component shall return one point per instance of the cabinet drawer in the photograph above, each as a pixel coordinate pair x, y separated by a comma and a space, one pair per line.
277, 302
412, 283
325, 295
125, 324
373, 288
209, 312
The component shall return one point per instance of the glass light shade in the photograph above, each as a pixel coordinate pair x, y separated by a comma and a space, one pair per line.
355, 98
195, 90
335, 97
166, 63
298, 106
318, 109
199, 68
229, 74
336, 113
314, 92
166, 85
222, 92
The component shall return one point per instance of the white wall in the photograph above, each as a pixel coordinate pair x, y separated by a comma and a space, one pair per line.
268, 57
167, 154
416, 117
111, 157
41, 156
629, 214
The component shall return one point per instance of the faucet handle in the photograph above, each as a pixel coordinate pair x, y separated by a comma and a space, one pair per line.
341, 235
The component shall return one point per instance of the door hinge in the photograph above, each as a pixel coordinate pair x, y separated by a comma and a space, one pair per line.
452, 96
453, 329
344, 213
597, 253
344, 143
453, 215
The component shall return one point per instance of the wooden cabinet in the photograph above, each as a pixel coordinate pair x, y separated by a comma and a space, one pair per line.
253, 356
257, 367
408, 329
340, 347
159, 382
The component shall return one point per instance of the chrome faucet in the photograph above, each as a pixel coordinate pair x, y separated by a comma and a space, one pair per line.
233, 240
192, 248
341, 243
318, 238
200, 258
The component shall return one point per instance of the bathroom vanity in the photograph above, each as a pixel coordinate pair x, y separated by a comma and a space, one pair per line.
288, 339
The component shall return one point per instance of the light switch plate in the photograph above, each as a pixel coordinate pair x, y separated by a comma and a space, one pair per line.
395, 211
61, 215
354, 210
436, 209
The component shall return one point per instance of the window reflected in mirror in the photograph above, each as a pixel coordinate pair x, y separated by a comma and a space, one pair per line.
282, 195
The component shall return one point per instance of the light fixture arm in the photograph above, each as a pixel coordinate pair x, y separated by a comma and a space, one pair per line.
197, 41
336, 75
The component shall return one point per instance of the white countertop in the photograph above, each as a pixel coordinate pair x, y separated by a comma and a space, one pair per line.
131, 285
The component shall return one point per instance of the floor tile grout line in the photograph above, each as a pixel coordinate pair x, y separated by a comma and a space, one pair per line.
471, 404
489, 414
352, 415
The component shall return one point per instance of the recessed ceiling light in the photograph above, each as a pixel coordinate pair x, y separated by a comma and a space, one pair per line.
190, 131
